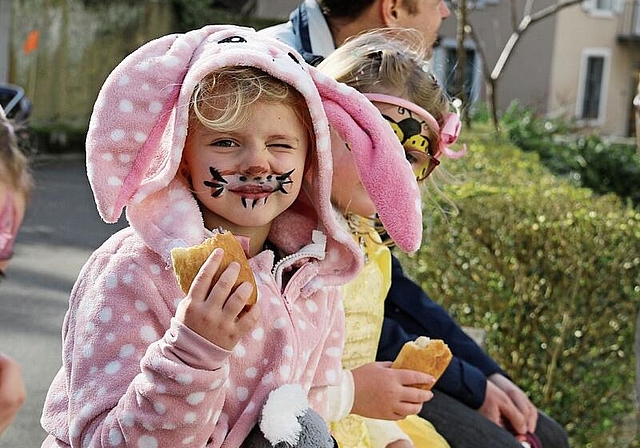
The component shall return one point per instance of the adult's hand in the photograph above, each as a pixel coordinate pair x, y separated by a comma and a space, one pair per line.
499, 408
519, 399
12, 391
388, 394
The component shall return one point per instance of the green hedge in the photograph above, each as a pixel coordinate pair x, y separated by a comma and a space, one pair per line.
552, 272
589, 160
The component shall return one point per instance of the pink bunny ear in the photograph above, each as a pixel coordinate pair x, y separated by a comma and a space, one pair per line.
383, 168
133, 121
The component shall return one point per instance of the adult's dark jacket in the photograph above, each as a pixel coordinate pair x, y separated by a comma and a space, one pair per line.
410, 313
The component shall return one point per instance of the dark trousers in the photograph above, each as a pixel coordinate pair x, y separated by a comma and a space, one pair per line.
464, 427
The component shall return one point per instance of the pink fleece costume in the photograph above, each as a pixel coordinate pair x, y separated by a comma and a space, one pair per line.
132, 374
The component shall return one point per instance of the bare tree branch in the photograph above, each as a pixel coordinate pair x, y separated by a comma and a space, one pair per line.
527, 20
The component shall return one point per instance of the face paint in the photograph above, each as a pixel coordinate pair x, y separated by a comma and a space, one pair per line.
416, 146
252, 190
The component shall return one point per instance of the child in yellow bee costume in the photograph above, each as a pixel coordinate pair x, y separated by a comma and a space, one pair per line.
391, 69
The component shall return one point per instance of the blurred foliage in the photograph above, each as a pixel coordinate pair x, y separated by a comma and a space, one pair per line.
192, 14
589, 160
552, 273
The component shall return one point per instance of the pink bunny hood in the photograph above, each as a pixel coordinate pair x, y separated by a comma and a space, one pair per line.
139, 125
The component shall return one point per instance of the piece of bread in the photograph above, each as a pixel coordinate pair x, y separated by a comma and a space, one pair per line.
188, 260
426, 355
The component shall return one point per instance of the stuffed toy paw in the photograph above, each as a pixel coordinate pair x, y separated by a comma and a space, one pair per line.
287, 421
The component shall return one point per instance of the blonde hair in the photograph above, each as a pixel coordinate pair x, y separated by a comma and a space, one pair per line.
222, 100
391, 61
14, 166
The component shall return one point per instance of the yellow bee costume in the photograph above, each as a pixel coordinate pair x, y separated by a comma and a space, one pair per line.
363, 300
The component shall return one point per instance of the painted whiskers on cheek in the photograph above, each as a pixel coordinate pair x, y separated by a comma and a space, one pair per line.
253, 190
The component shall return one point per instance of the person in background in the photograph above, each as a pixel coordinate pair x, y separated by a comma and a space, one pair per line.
477, 404
317, 27
15, 186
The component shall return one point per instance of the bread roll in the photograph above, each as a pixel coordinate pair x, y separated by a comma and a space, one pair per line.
188, 260
426, 355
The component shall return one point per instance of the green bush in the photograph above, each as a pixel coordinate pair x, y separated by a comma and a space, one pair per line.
589, 160
552, 272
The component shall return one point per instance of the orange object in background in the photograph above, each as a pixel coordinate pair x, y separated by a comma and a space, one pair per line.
31, 43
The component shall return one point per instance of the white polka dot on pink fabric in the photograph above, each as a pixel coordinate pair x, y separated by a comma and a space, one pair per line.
155, 107
155, 269
242, 393
115, 437
195, 398
267, 379
334, 352
105, 314
285, 371
111, 281
190, 417
141, 306
160, 408
258, 334
302, 324
140, 137
251, 372
124, 158
287, 351
188, 440
123, 80
311, 306
114, 181
117, 135
148, 334
239, 351
184, 378
279, 323
127, 350
112, 368
147, 442
125, 105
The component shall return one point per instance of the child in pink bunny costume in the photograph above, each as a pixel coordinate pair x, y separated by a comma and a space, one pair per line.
144, 366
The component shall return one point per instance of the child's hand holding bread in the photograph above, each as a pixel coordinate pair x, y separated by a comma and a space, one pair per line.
220, 289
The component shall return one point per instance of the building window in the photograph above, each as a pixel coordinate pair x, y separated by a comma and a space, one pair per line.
604, 5
446, 63
593, 79
593, 87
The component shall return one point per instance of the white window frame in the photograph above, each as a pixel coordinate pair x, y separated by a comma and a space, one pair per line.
590, 6
439, 61
587, 53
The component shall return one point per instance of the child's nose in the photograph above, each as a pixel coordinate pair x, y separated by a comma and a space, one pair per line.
256, 160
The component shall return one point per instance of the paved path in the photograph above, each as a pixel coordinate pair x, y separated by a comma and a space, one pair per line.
60, 231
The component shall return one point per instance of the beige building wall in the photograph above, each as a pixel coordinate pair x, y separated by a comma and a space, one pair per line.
579, 34
526, 75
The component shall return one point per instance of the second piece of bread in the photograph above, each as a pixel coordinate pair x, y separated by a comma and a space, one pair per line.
426, 355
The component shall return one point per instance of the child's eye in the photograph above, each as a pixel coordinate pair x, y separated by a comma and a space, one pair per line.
224, 143
285, 146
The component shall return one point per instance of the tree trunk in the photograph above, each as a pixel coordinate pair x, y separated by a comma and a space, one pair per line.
636, 103
492, 102
461, 69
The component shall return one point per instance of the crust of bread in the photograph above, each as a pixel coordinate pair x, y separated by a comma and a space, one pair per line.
188, 260
432, 359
